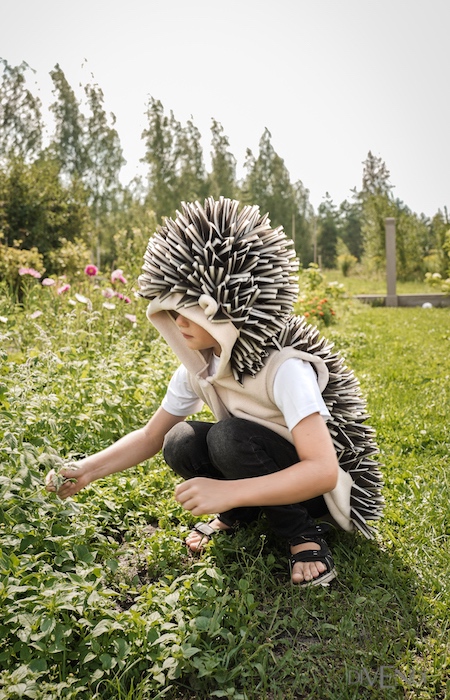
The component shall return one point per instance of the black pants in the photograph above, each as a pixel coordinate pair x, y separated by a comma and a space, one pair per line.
238, 449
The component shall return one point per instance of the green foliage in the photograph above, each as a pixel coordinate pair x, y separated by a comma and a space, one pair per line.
222, 179
191, 182
161, 158
100, 599
20, 115
71, 189
438, 245
68, 140
435, 279
37, 209
437, 282
328, 228
103, 154
350, 222
318, 297
377, 203
69, 257
346, 263
267, 183
12, 258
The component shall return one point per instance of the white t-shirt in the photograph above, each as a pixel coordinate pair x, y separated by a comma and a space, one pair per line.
296, 392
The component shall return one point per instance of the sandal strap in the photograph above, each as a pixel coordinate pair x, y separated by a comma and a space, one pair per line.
313, 555
205, 529
311, 534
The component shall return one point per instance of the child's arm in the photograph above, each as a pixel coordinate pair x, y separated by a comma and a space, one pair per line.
314, 475
130, 450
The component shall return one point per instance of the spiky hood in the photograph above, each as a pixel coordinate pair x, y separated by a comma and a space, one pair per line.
234, 257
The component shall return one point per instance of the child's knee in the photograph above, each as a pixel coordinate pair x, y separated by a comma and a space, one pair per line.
225, 440
177, 444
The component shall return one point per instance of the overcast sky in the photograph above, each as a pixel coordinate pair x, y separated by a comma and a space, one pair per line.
330, 79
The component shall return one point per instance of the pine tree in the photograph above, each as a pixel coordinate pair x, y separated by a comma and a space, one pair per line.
350, 214
328, 230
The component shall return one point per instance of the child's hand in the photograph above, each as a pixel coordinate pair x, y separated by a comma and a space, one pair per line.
203, 496
66, 482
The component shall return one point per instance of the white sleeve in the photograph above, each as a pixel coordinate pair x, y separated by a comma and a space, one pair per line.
180, 399
296, 392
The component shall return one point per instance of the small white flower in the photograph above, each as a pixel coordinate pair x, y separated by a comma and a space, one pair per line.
108, 305
84, 300
3, 319
81, 298
36, 314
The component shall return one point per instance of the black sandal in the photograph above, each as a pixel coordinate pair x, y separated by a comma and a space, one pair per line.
313, 534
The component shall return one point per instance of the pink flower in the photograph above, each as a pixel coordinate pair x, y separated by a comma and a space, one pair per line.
36, 314
29, 271
131, 318
48, 282
108, 293
64, 288
127, 300
91, 270
117, 276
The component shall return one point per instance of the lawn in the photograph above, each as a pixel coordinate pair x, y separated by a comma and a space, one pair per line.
99, 597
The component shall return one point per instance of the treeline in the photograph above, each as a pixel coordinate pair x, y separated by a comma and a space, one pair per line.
62, 202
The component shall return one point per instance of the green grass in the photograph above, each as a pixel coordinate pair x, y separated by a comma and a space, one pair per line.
359, 282
100, 599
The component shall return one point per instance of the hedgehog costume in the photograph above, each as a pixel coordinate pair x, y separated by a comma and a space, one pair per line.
230, 272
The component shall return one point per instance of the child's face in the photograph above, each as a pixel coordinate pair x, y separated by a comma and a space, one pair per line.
196, 337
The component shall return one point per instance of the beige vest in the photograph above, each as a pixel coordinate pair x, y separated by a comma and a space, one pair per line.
254, 401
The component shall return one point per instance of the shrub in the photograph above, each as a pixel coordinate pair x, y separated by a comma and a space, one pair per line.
346, 262
435, 279
317, 296
69, 258
318, 310
12, 259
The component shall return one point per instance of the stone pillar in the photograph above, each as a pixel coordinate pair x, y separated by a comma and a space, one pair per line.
391, 266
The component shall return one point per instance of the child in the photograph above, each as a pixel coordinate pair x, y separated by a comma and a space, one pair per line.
289, 438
